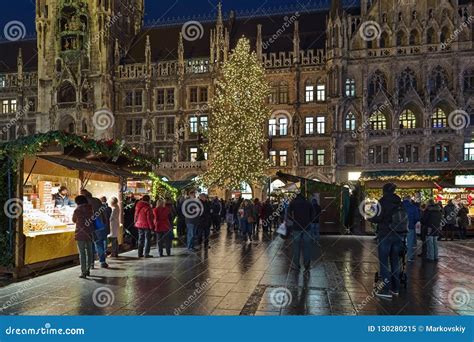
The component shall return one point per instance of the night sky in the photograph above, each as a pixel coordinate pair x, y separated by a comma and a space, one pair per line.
24, 10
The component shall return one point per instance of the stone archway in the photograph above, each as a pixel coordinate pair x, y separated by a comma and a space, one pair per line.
67, 124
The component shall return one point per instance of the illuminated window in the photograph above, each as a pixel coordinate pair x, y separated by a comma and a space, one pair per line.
439, 119
350, 122
320, 154
283, 158
407, 119
309, 93
321, 125
309, 157
321, 92
309, 125
193, 154
350, 88
378, 121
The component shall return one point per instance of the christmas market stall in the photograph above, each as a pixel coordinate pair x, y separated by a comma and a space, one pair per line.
333, 199
41, 176
439, 185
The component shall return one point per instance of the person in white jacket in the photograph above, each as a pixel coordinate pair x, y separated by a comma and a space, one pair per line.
114, 226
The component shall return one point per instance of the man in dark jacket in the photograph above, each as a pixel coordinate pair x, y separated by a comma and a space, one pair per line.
390, 243
413, 213
432, 219
62, 199
205, 221
181, 222
216, 207
300, 214
450, 216
267, 211
100, 235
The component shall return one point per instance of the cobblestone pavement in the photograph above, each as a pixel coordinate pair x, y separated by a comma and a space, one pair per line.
236, 278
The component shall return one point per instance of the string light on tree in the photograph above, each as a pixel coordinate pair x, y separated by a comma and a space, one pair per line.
236, 129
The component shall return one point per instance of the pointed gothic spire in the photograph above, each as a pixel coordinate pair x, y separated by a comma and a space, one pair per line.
148, 51
117, 52
181, 63
219, 14
296, 42
19, 63
336, 9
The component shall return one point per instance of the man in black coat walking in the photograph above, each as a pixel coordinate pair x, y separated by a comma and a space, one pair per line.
390, 243
300, 214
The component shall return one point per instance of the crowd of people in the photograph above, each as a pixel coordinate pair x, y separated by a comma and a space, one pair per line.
399, 222
146, 221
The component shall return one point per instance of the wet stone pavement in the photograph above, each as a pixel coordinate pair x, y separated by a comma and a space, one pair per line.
236, 278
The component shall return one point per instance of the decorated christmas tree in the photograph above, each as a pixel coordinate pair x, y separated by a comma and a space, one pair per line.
236, 129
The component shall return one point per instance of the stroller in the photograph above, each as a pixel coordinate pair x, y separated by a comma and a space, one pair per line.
403, 265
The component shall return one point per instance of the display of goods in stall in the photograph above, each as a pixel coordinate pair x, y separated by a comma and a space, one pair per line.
37, 221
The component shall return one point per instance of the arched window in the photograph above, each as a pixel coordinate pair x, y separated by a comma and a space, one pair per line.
414, 38
377, 82
67, 124
350, 87
350, 122
384, 41
401, 38
430, 36
439, 119
66, 93
406, 81
444, 34
438, 80
468, 82
407, 119
378, 121
84, 126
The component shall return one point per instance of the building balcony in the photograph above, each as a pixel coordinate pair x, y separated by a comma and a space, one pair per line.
411, 131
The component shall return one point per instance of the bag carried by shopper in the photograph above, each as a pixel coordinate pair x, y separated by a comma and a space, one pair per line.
399, 222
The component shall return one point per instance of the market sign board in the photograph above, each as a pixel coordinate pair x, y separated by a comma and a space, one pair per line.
464, 180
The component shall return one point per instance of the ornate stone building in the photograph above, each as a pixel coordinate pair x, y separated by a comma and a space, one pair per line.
358, 87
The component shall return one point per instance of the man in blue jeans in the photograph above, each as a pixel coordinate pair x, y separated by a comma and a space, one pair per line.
192, 210
413, 212
300, 213
390, 243
100, 235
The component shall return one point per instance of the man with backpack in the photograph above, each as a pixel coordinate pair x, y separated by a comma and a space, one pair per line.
392, 227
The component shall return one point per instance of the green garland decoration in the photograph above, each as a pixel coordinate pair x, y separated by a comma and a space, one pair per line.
33, 144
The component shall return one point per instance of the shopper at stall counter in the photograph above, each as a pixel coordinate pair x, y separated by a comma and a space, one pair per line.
100, 235
144, 224
83, 234
61, 198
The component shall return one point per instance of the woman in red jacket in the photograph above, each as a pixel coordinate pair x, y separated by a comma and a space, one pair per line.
163, 227
144, 224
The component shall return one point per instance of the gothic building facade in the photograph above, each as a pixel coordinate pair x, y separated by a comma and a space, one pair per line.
375, 85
